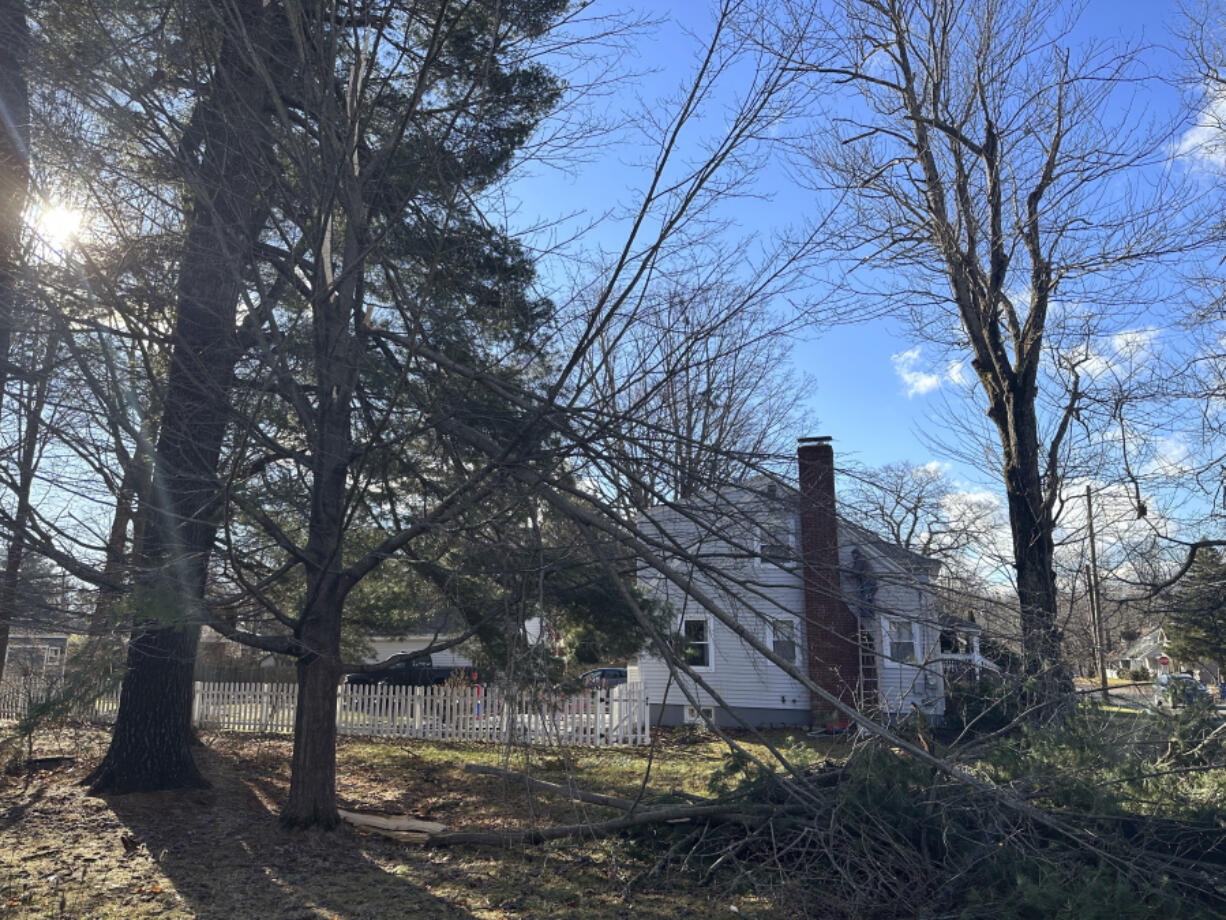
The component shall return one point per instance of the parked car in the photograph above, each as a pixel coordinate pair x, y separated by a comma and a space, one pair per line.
602, 678
1176, 690
412, 672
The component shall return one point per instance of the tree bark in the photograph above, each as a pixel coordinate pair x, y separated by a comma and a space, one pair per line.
1031, 527
14, 163
14, 190
151, 743
150, 746
312, 790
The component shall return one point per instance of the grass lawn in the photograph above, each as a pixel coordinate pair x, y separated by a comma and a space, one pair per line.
220, 853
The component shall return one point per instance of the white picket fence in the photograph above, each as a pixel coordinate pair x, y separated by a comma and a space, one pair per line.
591, 718
19, 696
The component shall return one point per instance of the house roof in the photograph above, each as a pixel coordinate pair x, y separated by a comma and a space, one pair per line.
957, 624
899, 554
37, 634
1146, 646
766, 493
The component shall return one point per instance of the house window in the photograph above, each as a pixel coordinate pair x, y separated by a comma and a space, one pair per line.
902, 641
775, 543
696, 635
784, 644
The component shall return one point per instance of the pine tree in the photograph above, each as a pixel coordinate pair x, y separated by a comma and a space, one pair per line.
1196, 625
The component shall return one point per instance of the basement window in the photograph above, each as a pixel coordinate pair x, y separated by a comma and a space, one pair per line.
703, 715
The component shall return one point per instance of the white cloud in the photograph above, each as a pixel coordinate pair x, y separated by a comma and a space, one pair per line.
1121, 535
1172, 458
1205, 142
1088, 362
919, 380
1118, 354
1134, 344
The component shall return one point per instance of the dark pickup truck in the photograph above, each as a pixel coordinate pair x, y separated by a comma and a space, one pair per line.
413, 672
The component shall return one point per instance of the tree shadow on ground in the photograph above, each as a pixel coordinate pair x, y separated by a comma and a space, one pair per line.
228, 857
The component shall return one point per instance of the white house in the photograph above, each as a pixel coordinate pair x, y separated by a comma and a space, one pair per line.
853, 612
415, 638
439, 629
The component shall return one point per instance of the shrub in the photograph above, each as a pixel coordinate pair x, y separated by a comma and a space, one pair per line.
982, 707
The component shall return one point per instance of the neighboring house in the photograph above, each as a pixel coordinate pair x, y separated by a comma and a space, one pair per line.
854, 612
422, 636
378, 648
38, 655
1148, 651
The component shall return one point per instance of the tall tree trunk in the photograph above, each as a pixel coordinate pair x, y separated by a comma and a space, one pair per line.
312, 789
27, 463
338, 352
14, 162
14, 191
150, 746
1030, 524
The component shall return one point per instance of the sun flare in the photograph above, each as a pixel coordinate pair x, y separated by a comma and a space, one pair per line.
59, 225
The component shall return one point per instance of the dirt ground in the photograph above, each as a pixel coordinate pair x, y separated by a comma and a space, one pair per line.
220, 853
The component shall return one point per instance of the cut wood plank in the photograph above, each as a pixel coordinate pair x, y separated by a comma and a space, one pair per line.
399, 826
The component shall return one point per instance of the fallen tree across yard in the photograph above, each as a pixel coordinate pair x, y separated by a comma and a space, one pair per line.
911, 837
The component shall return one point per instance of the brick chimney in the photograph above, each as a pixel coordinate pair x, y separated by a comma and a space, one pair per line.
832, 630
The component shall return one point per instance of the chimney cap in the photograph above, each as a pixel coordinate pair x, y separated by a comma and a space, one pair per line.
821, 439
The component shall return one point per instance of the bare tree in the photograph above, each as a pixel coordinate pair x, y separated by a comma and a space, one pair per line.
918, 508
695, 388
977, 153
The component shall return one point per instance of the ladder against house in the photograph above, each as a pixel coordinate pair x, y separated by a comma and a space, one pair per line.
866, 691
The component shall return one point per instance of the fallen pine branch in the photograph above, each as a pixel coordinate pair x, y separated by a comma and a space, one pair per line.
666, 815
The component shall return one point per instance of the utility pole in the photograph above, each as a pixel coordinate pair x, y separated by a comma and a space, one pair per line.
1096, 604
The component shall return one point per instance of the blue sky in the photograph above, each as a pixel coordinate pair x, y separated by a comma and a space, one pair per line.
878, 388
875, 387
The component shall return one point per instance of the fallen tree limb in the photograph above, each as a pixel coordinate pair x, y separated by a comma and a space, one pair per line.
398, 827
677, 814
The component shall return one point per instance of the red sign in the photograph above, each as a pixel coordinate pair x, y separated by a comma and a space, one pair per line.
1164, 661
